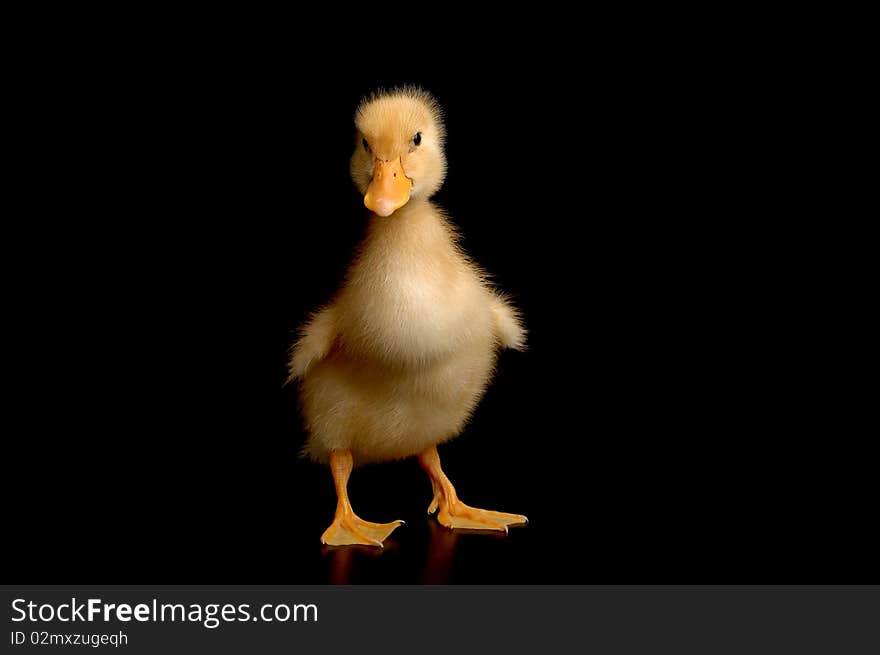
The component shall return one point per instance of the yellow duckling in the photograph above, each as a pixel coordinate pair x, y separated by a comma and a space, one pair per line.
398, 361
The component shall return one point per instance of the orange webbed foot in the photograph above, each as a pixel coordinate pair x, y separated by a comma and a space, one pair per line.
348, 529
455, 514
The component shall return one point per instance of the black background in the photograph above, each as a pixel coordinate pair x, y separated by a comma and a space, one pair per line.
182, 213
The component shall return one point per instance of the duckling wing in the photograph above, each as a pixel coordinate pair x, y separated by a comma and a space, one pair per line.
315, 340
508, 325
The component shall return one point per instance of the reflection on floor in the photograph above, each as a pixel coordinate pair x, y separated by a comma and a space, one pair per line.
342, 559
428, 561
437, 565
438, 560
441, 551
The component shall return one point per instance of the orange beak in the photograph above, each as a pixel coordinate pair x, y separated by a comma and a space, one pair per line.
389, 190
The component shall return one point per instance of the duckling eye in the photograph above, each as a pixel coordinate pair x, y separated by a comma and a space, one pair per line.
417, 139
366, 145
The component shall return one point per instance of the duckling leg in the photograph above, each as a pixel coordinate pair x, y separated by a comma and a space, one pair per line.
347, 528
454, 513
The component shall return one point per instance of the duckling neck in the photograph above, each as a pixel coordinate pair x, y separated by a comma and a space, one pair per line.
416, 227
410, 294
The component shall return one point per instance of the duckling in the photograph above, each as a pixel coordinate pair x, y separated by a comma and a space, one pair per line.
397, 362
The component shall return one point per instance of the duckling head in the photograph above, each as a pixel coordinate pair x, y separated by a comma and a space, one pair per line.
398, 156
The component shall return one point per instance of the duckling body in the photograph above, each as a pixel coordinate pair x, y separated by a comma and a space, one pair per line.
415, 344
396, 364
